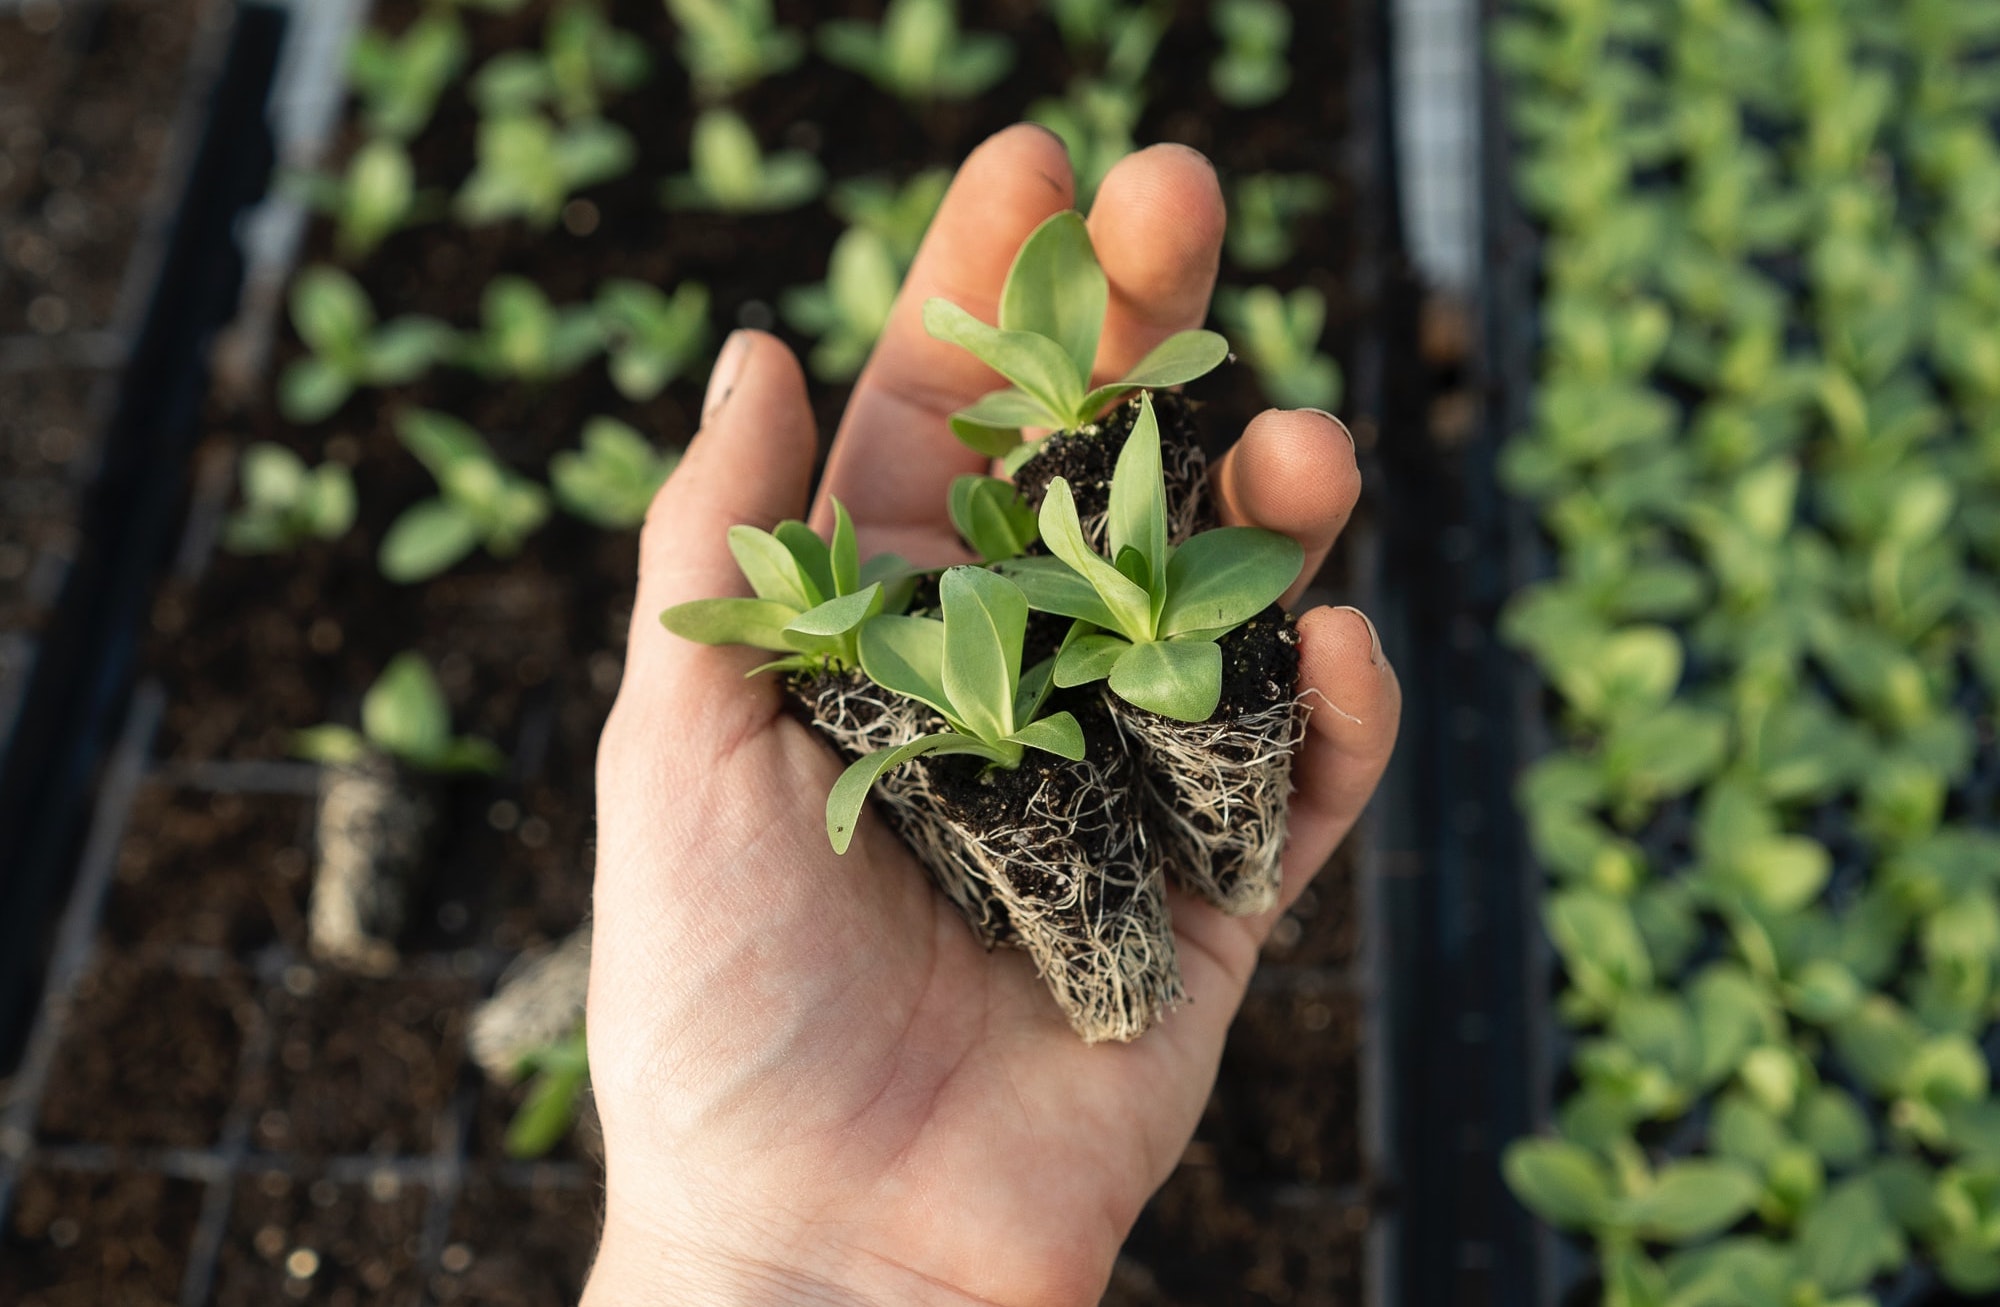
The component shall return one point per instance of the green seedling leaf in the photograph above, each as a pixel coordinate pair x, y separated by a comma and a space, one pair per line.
919, 52
992, 517
843, 554
1089, 658
427, 539
1128, 605
837, 617
1561, 1182
1058, 734
330, 746
1053, 587
729, 45
985, 621
1056, 289
613, 480
992, 424
404, 712
906, 655
772, 569
1175, 361
1222, 578
1035, 364
1181, 679
850, 792
1138, 513
759, 623
1693, 1200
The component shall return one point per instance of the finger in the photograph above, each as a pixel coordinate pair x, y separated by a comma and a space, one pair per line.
1293, 472
1157, 226
751, 462
894, 458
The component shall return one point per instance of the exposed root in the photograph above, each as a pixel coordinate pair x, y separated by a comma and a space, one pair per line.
539, 1001
1218, 793
374, 825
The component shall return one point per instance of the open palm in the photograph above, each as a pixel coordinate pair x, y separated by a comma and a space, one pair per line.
815, 1085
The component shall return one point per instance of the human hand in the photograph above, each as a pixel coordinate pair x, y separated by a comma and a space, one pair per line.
815, 1086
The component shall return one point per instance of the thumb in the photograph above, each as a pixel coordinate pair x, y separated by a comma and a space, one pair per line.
751, 463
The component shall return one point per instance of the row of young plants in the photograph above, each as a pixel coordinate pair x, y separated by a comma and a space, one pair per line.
1766, 453
544, 142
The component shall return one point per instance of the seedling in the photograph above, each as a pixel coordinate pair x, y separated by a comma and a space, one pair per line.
1280, 335
583, 62
848, 311
1151, 613
899, 215
1088, 26
398, 79
1252, 68
651, 337
1051, 315
730, 45
1096, 120
376, 198
919, 53
404, 716
812, 598
559, 1077
479, 502
521, 335
286, 503
1264, 212
528, 167
333, 317
992, 517
730, 172
967, 667
612, 482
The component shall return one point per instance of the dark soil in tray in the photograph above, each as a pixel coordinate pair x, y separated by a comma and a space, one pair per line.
1322, 929
517, 1244
77, 1239
46, 420
294, 1239
1285, 1104
151, 1057
213, 871
360, 1066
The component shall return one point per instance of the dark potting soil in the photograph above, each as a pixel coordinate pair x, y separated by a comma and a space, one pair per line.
46, 420
516, 1244
297, 1239
360, 1066
1087, 456
82, 1239
1322, 929
161, 1045
1260, 664
212, 871
1290, 1083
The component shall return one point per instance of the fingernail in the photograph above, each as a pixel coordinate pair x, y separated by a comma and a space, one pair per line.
1336, 421
1375, 654
728, 369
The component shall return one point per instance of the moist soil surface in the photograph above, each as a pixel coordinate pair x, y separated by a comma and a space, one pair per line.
1086, 458
305, 1064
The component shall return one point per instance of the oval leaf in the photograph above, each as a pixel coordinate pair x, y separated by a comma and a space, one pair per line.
1138, 512
428, 538
1130, 608
1175, 361
759, 623
1089, 658
985, 621
1058, 734
772, 570
992, 423
837, 617
1181, 679
992, 517
1692, 1200
850, 792
1223, 578
1559, 1181
906, 655
1057, 289
1053, 587
1034, 363
810, 552
404, 713
844, 554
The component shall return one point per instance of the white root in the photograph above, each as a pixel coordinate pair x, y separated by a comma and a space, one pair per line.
373, 828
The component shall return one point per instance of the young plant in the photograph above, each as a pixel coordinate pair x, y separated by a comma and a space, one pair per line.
523, 336
729, 172
900, 215
1096, 119
286, 503
729, 45
992, 517
560, 1075
1280, 335
919, 53
398, 79
584, 61
812, 600
651, 337
479, 502
528, 167
613, 480
847, 311
1051, 316
1088, 26
333, 317
1265, 210
968, 668
1151, 614
1256, 34
404, 716
373, 200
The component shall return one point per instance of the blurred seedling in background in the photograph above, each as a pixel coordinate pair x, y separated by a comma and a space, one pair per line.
1280, 335
918, 52
286, 503
529, 167
847, 311
1252, 69
1052, 310
650, 336
523, 336
1091, 26
812, 597
611, 482
728, 45
349, 348
584, 61
373, 200
730, 173
397, 80
1097, 116
992, 517
1265, 211
558, 1077
900, 215
480, 501
404, 716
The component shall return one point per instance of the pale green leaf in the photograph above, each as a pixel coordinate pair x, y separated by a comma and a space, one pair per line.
1037, 365
985, 620
906, 655
1057, 289
332, 746
850, 792
1223, 578
1129, 606
1058, 734
992, 517
1692, 1200
772, 570
1561, 1182
1053, 587
404, 713
845, 555
1138, 511
837, 617
1089, 658
1178, 359
1181, 679
759, 623
427, 539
